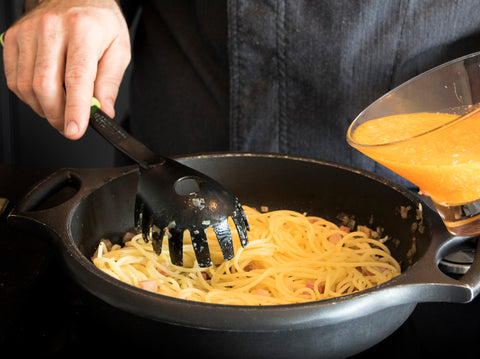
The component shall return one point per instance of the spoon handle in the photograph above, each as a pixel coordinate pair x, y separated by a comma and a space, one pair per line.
121, 139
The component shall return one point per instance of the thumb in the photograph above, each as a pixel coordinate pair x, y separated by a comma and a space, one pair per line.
111, 69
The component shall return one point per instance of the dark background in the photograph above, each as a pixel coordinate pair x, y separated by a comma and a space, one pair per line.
27, 139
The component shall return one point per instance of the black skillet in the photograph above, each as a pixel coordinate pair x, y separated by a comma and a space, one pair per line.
77, 207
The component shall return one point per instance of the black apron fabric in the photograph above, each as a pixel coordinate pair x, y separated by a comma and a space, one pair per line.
284, 76
180, 86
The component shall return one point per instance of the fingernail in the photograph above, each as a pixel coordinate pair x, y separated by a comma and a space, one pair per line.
72, 129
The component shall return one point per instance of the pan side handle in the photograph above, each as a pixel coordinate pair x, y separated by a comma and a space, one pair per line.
472, 277
425, 282
43, 210
39, 195
47, 207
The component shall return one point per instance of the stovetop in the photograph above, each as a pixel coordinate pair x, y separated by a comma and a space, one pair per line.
42, 311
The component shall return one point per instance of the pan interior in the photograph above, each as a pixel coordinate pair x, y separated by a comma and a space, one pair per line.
277, 182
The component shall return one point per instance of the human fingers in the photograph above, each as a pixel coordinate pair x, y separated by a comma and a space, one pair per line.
83, 52
111, 69
48, 73
97, 56
19, 51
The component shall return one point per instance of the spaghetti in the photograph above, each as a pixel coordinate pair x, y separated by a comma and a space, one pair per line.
291, 258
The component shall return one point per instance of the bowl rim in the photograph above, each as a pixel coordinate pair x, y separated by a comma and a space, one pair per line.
409, 82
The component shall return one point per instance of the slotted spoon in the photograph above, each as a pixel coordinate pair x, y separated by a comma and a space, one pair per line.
173, 198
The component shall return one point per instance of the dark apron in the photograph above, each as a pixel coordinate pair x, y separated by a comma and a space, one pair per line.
283, 76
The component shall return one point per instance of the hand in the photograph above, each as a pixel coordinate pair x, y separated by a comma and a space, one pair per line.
61, 54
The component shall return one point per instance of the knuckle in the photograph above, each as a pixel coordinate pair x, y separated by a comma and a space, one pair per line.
112, 81
42, 84
80, 20
26, 28
49, 19
49, 25
74, 76
24, 86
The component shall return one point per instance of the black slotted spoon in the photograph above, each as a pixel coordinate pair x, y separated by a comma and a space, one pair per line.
173, 198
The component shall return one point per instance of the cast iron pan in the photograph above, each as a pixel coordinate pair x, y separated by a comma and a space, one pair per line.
77, 207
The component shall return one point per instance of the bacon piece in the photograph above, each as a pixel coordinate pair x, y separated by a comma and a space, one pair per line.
127, 237
321, 288
250, 266
161, 269
335, 238
345, 229
262, 292
311, 285
364, 271
365, 230
149, 285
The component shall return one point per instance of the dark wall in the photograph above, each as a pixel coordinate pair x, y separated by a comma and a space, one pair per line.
27, 139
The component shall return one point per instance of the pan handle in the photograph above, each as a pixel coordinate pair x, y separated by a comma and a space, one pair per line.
33, 212
425, 282
472, 277
50, 203
46, 188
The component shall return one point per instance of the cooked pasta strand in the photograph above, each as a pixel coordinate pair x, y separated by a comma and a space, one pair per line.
291, 258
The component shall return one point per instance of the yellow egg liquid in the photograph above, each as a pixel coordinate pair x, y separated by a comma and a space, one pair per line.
428, 149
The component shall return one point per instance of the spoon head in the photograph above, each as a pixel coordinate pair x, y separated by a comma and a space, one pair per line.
173, 198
